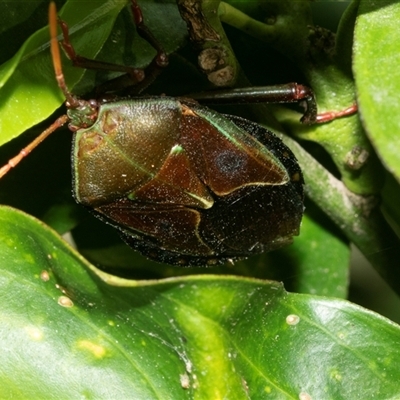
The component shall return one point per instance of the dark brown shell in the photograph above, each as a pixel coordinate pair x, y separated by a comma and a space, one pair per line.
185, 185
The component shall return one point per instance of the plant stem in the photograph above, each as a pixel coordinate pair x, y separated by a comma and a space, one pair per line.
326, 64
357, 216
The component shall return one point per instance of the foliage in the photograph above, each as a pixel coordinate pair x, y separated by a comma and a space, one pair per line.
70, 327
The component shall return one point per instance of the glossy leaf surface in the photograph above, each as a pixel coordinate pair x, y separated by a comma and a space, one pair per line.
91, 334
42, 185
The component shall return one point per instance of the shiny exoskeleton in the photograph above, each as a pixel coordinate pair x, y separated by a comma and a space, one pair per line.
182, 183
185, 185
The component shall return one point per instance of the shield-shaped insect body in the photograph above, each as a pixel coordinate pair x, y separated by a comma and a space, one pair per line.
186, 185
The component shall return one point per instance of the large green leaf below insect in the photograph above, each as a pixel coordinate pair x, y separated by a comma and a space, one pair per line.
91, 334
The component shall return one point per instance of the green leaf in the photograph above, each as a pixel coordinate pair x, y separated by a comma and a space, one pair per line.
377, 74
28, 86
321, 260
203, 336
89, 334
27, 82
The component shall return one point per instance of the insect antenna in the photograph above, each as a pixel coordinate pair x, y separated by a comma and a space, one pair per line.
72, 101
26, 150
